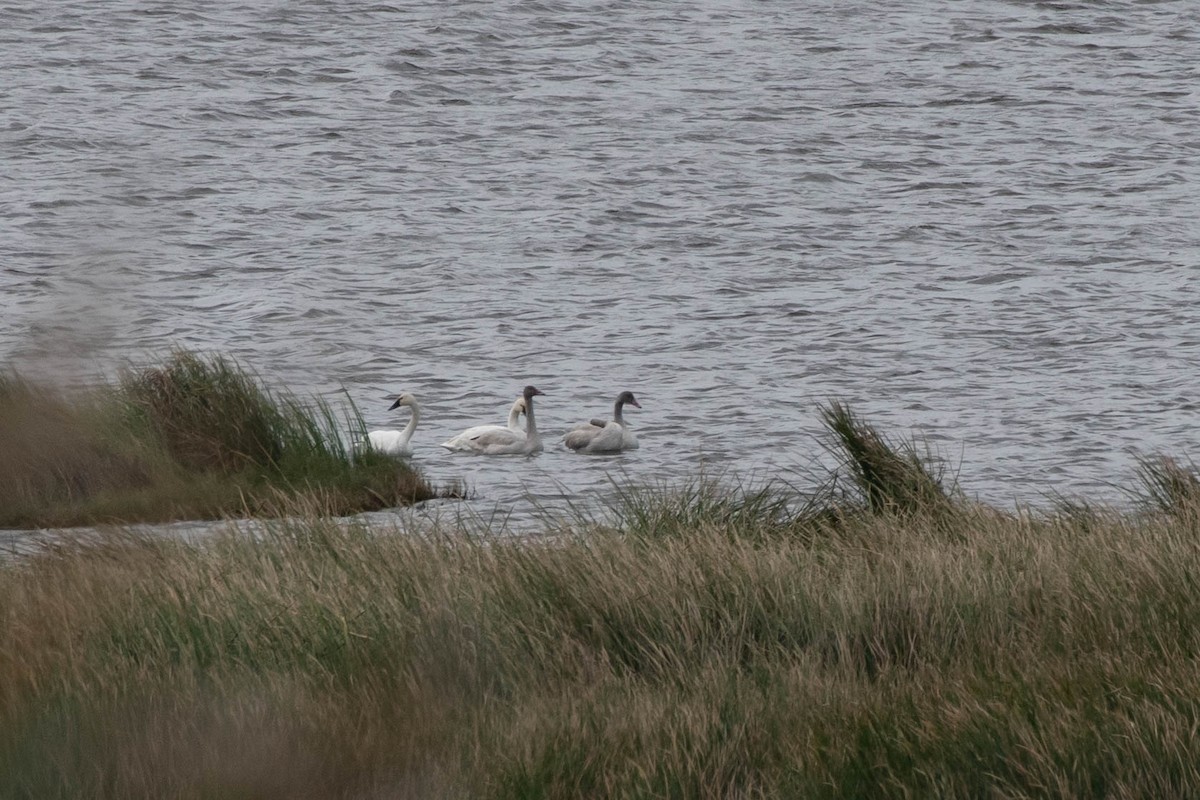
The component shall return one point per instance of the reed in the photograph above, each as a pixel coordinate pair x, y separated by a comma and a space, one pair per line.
195, 438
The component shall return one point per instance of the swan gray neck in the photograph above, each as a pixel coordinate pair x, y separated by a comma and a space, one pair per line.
530, 426
617, 416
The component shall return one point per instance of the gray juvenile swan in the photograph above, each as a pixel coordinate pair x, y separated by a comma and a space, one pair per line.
396, 443
600, 436
464, 440
506, 441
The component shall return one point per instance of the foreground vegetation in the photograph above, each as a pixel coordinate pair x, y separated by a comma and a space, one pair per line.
882, 638
195, 438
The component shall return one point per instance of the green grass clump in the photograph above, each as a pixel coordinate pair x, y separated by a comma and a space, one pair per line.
194, 438
891, 477
211, 416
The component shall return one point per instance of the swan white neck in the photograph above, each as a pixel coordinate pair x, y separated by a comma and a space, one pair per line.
407, 433
514, 416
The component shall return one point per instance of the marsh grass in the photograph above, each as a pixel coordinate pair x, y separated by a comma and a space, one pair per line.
1039, 656
714, 641
874, 476
195, 438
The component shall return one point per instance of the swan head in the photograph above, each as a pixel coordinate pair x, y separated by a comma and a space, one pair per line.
405, 399
519, 405
627, 399
529, 392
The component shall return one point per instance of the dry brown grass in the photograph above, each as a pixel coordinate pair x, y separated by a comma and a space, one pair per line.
1021, 655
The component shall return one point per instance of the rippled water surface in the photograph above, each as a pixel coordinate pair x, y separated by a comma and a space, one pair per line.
976, 220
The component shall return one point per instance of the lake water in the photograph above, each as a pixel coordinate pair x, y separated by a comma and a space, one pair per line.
975, 221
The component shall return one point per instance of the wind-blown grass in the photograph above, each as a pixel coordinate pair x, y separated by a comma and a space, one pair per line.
194, 438
1168, 487
890, 477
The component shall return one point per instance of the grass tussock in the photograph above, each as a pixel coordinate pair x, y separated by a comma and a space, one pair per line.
890, 477
194, 438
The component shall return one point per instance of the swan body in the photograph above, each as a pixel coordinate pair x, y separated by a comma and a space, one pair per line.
397, 443
465, 440
505, 441
601, 436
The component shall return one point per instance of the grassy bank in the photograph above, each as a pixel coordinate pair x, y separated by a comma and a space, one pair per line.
194, 438
882, 638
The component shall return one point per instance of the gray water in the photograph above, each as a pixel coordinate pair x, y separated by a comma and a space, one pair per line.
974, 221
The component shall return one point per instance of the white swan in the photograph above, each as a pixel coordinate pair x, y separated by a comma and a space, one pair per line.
463, 440
502, 441
600, 436
396, 443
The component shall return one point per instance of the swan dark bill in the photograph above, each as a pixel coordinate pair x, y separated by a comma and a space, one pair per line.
397, 443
